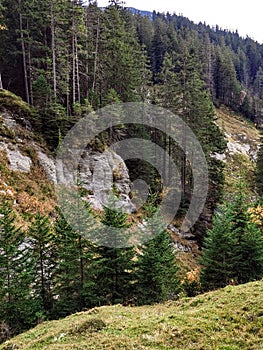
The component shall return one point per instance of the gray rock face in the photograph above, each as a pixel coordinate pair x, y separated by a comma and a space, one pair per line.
9, 121
105, 177
17, 161
48, 165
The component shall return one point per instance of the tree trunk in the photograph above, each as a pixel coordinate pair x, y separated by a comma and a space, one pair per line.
23, 52
53, 49
96, 58
1, 84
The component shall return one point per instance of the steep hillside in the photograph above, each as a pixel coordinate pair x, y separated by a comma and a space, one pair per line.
242, 145
231, 318
26, 168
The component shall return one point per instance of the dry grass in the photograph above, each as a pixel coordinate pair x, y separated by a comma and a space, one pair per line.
238, 130
229, 319
237, 126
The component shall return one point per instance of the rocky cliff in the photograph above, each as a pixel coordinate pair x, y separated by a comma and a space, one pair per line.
27, 165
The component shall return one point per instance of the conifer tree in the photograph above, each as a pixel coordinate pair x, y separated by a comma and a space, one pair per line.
41, 241
113, 266
17, 308
217, 255
259, 170
156, 269
72, 277
233, 248
121, 60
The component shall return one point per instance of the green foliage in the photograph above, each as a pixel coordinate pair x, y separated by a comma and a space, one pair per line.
156, 267
259, 170
233, 248
41, 241
16, 105
113, 267
17, 309
72, 277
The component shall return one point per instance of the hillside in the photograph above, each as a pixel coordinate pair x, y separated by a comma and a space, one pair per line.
26, 166
231, 318
243, 140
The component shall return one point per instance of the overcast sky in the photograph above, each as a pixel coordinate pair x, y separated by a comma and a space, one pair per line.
245, 16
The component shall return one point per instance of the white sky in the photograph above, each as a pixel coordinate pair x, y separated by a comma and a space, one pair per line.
245, 16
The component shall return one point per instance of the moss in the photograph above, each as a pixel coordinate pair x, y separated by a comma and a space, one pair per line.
92, 325
15, 104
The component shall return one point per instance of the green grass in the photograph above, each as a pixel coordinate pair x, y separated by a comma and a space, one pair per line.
227, 319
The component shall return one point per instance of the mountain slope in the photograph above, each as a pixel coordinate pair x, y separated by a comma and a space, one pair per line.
243, 140
231, 318
26, 167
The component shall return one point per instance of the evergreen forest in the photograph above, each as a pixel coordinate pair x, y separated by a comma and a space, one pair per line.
67, 58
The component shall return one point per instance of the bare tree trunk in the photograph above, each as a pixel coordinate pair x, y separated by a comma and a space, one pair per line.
23, 52
183, 155
53, 49
87, 58
30, 68
96, 57
77, 68
73, 69
1, 84
68, 84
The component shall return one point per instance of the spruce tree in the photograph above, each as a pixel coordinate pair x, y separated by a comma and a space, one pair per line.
259, 170
113, 266
72, 278
233, 248
41, 241
17, 307
156, 269
217, 258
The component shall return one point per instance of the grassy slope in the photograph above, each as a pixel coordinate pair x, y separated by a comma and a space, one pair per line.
242, 131
229, 319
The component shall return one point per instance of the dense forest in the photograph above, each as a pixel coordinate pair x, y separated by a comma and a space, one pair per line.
66, 59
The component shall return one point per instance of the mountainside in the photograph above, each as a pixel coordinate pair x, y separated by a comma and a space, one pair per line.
27, 168
243, 140
231, 318
182, 103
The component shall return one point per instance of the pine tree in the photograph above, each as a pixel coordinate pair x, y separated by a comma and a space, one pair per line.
233, 248
113, 266
156, 269
41, 241
17, 308
72, 277
259, 170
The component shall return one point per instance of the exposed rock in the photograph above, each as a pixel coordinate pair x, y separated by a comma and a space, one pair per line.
18, 162
179, 247
173, 229
104, 176
48, 165
236, 147
9, 121
219, 156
